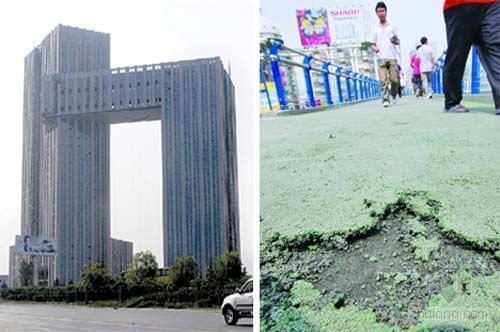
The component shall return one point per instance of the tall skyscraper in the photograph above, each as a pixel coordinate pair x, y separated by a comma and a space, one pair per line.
71, 97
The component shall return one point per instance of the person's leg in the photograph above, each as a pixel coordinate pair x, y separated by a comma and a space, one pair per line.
429, 81
394, 77
384, 79
427, 78
420, 91
419, 85
425, 83
488, 46
462, 25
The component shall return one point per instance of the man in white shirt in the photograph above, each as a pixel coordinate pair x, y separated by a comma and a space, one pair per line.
384, 43
427, 58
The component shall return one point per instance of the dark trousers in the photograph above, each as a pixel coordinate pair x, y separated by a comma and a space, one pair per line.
469, 24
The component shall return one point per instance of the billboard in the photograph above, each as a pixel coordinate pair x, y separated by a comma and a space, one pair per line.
35, 245
313, 26
351, 22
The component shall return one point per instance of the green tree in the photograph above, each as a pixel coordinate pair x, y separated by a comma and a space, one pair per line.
226, 267
144, 268
366, 46
224, 274
26, 270
95, 278
183, 271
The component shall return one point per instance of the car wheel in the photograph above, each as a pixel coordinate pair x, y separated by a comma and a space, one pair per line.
230, 316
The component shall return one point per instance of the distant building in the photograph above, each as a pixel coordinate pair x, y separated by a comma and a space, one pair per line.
288, 74
4, 280
71, 98
14, 262
350, 23
122, 253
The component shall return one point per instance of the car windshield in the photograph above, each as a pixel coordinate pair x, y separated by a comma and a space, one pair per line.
248, 287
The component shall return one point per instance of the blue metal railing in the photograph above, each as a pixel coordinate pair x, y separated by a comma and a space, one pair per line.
475, 74
357, 86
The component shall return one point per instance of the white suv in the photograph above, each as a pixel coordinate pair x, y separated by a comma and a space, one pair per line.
238, 305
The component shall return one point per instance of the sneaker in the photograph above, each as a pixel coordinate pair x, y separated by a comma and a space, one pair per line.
394, 100
385, 103
456, 109
497, 112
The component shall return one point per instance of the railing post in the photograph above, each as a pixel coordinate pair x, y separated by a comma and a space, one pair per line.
433, 83
307, 78
361, 87
440, 80
339, 84
355, 81
263, 81
475, 82
348, 84
275, 68
367, 88
441, 84
326, 83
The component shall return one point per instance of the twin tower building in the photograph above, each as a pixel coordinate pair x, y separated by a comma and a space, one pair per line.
71, 98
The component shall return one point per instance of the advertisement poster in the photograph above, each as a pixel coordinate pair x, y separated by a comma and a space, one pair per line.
350, 23
268, 97
35, 245
313, 27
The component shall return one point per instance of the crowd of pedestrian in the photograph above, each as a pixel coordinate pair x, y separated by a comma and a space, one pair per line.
468, 22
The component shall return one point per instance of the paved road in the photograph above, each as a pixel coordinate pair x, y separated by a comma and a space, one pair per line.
40, 317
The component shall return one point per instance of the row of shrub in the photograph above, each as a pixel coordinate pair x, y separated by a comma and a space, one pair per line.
183, 285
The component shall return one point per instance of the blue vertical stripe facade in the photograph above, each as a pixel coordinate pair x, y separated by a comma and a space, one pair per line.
78, 97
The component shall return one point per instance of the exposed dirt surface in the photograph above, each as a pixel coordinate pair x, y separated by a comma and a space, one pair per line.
394, 269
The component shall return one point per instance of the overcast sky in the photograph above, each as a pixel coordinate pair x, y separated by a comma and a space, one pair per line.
413, 19
142, 32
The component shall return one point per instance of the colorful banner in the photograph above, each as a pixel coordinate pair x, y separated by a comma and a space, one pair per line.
35, 245
313, 27
268, 98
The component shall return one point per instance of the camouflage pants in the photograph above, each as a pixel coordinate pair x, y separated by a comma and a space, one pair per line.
389, 76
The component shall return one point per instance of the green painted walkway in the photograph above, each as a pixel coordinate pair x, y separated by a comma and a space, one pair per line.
317, 169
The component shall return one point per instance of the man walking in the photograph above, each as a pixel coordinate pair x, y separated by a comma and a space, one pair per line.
427, 60
384, 43
471, 22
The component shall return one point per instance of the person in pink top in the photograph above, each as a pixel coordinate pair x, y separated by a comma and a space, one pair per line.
416, 78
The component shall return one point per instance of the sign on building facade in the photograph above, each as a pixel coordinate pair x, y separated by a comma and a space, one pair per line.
35, 245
